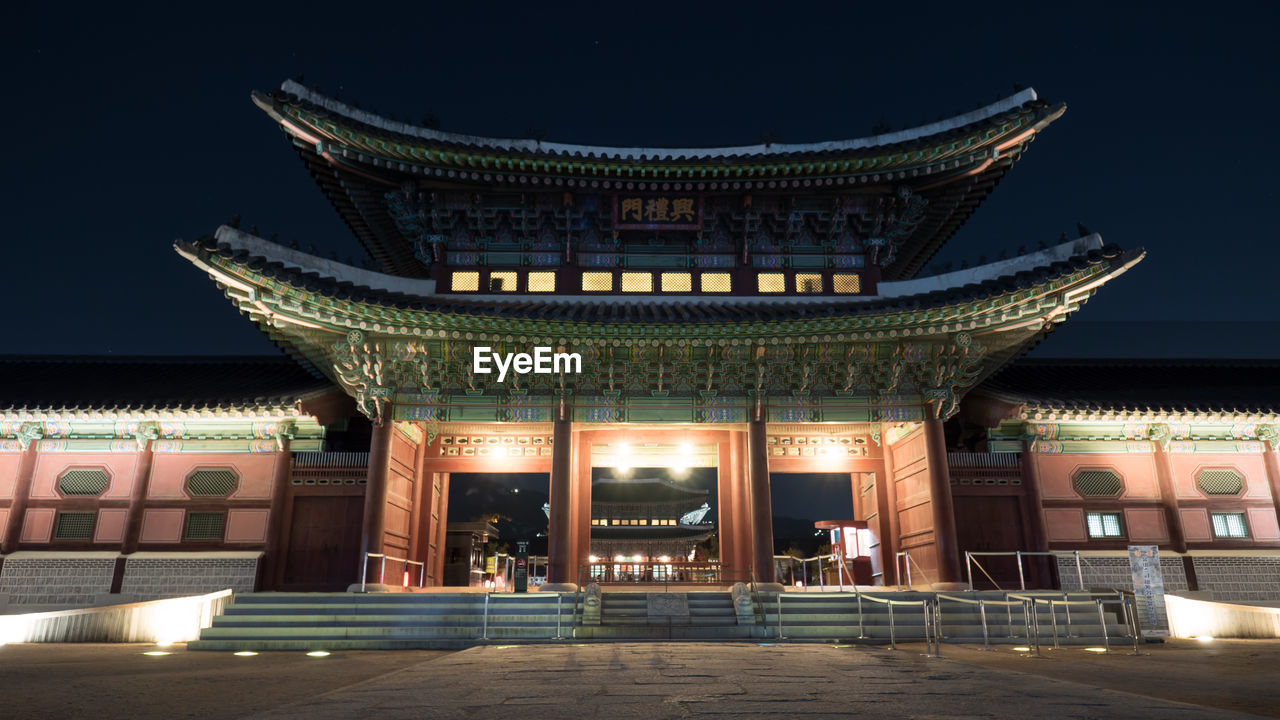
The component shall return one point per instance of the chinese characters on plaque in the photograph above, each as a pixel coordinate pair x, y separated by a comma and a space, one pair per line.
657, 212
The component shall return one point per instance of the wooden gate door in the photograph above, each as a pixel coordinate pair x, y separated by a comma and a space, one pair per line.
990, 523
324, 543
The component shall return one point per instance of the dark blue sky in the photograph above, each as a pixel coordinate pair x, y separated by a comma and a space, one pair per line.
128, 127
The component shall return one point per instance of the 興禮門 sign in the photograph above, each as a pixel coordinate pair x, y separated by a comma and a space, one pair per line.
657, 212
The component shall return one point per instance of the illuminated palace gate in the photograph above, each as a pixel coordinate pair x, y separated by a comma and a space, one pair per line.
760, 300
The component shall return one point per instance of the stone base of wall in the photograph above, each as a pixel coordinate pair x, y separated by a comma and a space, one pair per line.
56, 579
1239, 578
151, 576
50, 579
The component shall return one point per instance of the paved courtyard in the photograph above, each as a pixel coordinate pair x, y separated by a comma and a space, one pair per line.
641, 680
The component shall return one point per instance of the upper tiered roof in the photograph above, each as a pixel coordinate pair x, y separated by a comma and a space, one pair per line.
949, 166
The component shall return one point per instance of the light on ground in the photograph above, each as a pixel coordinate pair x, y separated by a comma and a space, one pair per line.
318, 653
156, 653
245, 653
1205, 638
503, 647
163, 643
1095, 649
1021, 648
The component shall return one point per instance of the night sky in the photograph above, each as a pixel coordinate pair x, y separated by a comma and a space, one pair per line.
129, 128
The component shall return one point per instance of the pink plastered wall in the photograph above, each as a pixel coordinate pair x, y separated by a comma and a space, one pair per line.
9, 472
161, 526
255, 471
1056, 471
38, 526
1251, 466
1146, 525
50, 466
1064, 524
247, 526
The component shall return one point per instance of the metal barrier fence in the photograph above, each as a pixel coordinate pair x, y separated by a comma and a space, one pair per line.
1030, 605
928, 607
655, 571
970, 561
382, 570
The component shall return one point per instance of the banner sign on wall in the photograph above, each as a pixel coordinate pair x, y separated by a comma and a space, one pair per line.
1148, 589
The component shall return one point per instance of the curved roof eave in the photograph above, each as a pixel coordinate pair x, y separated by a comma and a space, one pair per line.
654, 153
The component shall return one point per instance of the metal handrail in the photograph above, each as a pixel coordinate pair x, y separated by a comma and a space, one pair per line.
897, 569
382, 572
969, 561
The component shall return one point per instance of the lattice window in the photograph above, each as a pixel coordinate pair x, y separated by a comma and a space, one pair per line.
204, 526
1096, 482
717, 282
808, 283
844, 283
1220, 481
502, 281
74, 526
597, 282
1104, 525
641, 282
542, 281
465, 281
81, 483
771, 282
677, 282
1230, 525
211, 483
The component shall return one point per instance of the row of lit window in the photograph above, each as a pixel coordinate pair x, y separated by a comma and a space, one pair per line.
616, 521
643, 282
1103, 525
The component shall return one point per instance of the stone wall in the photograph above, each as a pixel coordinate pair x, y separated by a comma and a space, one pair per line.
1112, 572
56, 579
1243, 578
45, 580
148, 576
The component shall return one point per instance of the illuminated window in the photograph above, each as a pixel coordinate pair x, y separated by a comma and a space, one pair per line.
595, 521
597, 281
74, 526
717, 282
83, 482
808, 283
465, 281
637, 282
542, 281
504, 281
1104, 525
1220, 481
844, 283
771, 282
644, 522
677, 282
204, 526
1229, 525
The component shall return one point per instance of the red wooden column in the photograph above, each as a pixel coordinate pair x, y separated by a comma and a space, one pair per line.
581, 507
375, 494
21, 492
1271, 460
1035, 537
436, 558
559, 524
1168, 499
761, 505
887, 503
726, 523
138, 498
944, 514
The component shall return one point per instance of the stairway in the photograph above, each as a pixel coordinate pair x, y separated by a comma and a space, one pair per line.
824, 617
384, 621
625, 616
